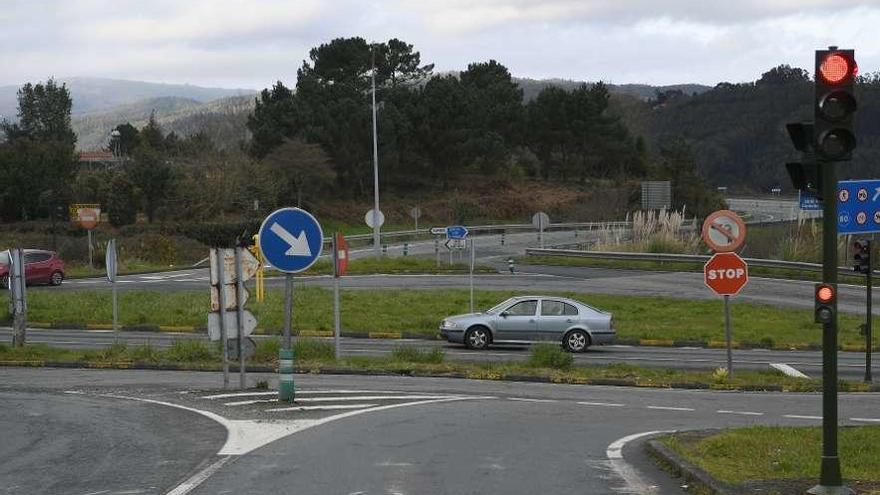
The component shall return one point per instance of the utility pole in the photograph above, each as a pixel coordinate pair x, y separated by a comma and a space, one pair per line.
376, 238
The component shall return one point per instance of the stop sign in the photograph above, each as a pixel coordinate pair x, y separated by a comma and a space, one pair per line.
726, 274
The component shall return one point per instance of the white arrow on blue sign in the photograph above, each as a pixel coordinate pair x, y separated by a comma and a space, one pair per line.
291, 239
456, 232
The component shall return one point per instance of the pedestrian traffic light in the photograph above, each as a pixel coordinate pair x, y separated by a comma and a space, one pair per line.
861, 256
825, 302
835, 104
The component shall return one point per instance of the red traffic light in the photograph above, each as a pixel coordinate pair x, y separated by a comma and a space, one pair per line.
824, 293
837, 68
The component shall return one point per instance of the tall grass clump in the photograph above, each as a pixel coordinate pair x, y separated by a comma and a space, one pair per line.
190, 351
655, 232
313, 350
547, 355
412, 354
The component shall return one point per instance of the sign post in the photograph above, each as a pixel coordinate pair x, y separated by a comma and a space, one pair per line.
112, 272
540, 220
725, 273
17, 291
340, 264
416, 213
473, 259
291, 240
88, 218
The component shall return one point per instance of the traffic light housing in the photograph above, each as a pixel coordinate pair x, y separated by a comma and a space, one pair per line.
861, 256
805, 175
835, 104
825, 302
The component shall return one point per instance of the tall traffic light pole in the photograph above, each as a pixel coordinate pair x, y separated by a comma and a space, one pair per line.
834, 141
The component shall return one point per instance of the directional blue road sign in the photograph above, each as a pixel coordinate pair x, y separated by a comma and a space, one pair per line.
456, 232
291, 239
858, 206
809, 201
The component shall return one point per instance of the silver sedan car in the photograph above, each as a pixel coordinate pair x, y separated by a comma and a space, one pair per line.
527, 319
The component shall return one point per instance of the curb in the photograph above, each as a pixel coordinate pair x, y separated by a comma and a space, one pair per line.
673, 463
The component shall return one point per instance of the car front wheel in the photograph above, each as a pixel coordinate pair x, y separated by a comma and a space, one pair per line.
56, 278
576, 341
477, 338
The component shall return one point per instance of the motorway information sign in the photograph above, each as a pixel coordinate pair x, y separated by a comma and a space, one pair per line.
809, 202
291, 239
858, 206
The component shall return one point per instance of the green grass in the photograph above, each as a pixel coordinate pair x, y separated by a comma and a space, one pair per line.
680, 266
315, 355
763, 453
420, 311
547, 355
393, 265
125, 267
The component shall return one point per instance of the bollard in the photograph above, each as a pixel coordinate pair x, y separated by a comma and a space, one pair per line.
575, 233
502, 238
510, 265
286, 392
405, 248
384, 249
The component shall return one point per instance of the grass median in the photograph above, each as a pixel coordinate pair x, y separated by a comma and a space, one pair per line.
781, 459
418, 312
547, 363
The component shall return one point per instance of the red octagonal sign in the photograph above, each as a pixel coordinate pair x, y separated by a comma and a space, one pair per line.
726, 274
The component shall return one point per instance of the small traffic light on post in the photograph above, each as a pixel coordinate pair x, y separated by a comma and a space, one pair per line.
805, 175
861, 256
825, 304
835, 104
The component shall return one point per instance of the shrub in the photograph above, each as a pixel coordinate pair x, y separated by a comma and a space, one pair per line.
547, 355
411, 354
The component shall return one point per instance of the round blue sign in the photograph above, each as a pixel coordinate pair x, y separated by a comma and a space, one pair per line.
291, 239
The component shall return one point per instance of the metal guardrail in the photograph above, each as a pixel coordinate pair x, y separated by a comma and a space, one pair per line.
686, 258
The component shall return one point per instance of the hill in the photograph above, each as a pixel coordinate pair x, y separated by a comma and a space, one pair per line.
95, 95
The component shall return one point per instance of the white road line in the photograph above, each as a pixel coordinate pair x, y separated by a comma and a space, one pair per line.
666, 408
298, 392
524, 399
741, 413
865, 420
329, 407
199, 478
240, 394
634, 483
375, 397
788, 370
602, 404
798, 416
249, 402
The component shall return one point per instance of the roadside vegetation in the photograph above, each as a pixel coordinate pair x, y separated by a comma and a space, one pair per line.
655, 320
547, 362
781, 459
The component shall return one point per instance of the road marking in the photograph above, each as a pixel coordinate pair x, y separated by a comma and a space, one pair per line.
239, 394
375, 397
627, 473
798, 416
298, 392
249, 402
524, 399
602, 404
788, 370
666, 408
199, 478
742, 413
865, 420
329, 407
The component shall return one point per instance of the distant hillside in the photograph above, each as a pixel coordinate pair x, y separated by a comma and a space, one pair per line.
223, 120
92, 94
531, 88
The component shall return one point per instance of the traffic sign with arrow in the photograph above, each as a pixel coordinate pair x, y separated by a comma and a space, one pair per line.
291, 239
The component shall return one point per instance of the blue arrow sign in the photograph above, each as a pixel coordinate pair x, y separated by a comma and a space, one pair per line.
456, 232
291, 239
858, 206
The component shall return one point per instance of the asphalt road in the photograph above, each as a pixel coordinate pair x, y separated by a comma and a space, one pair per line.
766, 210
851, 365
395, 435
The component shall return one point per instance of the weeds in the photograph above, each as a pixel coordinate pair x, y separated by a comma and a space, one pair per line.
313, 350
411, 354
190, 351
546, 355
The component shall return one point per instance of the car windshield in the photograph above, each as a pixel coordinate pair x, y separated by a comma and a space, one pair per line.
500, 306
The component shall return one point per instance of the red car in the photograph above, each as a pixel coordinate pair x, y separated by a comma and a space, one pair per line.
40, 267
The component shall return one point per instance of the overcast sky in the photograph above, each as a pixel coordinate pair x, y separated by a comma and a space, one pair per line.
251, 43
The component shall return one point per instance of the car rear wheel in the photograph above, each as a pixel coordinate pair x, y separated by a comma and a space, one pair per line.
56, 278
576, 341
477, 338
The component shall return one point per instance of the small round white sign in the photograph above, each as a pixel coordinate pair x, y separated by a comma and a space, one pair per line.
368, 218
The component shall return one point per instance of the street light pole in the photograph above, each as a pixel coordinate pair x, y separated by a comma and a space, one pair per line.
376, 239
